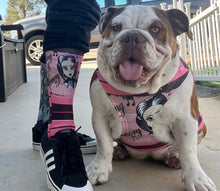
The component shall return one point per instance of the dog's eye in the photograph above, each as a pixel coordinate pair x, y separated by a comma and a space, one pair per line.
155, 29
116, 27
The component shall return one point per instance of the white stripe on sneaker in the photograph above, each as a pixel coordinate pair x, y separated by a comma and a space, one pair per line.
51, 168
48, 153
51, 185
48, 161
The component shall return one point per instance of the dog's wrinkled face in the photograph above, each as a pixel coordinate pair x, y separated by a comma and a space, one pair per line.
138, 50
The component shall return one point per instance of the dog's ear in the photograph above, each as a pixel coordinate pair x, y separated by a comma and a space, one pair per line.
179, 22
107, 17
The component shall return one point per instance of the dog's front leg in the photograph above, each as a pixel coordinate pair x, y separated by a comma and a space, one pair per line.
193, 176
107, 126
98, 171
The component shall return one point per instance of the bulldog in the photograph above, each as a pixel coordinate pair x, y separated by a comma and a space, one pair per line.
143, 95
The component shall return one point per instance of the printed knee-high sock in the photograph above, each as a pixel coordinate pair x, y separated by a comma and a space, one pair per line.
44, 109
62, 74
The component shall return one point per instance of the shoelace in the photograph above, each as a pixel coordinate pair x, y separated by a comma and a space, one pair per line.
81, 136
69, 153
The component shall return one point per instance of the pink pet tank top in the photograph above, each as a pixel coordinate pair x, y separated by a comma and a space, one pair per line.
137, 111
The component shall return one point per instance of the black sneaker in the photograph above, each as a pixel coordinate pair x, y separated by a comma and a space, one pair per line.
88, 145
64, 163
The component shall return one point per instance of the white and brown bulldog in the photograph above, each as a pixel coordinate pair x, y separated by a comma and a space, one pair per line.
143, 94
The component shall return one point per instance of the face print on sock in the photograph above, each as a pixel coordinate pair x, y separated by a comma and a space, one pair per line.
147, 111
67, 67
62, 74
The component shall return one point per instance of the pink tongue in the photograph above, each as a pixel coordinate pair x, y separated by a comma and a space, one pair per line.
130, 71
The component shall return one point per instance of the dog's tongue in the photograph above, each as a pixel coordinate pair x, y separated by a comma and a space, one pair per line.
130, 70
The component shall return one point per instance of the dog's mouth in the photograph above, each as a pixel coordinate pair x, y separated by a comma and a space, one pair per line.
131, 70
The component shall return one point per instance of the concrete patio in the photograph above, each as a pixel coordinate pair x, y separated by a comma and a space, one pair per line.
21, 168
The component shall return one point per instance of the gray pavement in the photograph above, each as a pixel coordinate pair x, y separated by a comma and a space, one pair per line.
21, 168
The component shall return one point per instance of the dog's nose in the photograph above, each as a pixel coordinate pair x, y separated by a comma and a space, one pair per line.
132, 38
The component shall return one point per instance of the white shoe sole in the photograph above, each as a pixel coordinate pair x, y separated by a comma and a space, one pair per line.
89, 148
36, 146
87, 187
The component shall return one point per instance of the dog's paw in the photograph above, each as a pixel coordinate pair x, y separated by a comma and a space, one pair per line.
98, 172
120, 152
172, 160
197, 180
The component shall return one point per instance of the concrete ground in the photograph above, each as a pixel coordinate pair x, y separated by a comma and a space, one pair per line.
21, 168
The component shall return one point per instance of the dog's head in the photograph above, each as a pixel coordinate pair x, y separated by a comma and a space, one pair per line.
138, 50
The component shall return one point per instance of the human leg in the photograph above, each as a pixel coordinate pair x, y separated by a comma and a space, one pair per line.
66, 40
43, 112
87, 144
